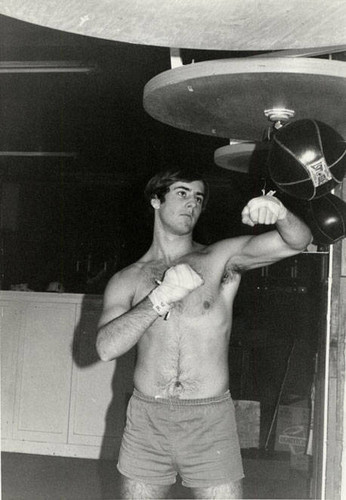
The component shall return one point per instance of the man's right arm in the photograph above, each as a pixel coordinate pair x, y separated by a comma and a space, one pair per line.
118, 335
122, 325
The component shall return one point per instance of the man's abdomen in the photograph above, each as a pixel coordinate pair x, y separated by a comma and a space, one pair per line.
186, 366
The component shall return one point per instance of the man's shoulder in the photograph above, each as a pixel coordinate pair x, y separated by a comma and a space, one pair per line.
125, 277
129, 272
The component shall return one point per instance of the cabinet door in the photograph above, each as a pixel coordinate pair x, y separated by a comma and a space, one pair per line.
100, 391
44, 374
10, 324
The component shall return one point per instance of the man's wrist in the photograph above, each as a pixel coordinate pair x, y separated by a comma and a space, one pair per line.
159, 305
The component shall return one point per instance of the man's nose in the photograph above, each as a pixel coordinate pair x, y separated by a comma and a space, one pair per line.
192, 202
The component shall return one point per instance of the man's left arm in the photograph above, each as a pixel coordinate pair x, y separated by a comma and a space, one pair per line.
268, 210
290, 237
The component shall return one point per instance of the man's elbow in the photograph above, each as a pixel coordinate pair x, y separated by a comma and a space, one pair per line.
308, 239
103, 355
302, 244
103, 351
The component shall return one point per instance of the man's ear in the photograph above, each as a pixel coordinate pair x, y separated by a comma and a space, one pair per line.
155, 203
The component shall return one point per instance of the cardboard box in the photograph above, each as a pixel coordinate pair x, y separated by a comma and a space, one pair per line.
292, 430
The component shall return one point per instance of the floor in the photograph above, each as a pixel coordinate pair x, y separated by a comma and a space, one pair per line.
38, 477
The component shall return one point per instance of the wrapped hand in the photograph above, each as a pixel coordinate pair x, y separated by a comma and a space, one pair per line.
266, 209
178, 282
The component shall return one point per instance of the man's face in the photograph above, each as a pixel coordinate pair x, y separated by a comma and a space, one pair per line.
182, 206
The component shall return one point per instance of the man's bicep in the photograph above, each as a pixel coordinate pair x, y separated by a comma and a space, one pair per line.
259, 251
117, 300
226, 252
243, 253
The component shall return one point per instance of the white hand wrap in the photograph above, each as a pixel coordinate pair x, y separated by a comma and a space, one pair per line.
265, 209
178, 282
269, 201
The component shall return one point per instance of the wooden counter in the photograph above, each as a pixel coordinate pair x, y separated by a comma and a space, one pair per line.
57, 397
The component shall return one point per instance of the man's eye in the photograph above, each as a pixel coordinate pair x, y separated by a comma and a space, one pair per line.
182, 193
200, 201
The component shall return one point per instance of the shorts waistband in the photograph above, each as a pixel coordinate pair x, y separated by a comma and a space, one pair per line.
182, 402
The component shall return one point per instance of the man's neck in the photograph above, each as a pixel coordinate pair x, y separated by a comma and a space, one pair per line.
170, 248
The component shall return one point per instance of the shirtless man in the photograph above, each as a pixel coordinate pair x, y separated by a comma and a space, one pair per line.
175, 303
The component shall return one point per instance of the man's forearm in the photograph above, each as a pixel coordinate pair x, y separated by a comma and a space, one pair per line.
120, 334
295, 233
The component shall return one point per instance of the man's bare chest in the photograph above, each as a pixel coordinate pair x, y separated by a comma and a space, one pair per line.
200, 301
153, 273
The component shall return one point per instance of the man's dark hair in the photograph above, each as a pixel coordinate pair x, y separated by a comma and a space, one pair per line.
159, 185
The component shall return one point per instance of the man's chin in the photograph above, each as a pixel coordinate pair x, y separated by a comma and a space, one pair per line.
184, 230
187, 230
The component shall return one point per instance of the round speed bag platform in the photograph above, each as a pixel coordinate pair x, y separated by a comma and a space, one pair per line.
229, 97
239, 157
199, 24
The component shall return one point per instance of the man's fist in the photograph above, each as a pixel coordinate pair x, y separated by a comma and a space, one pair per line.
263, 210
177, 283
